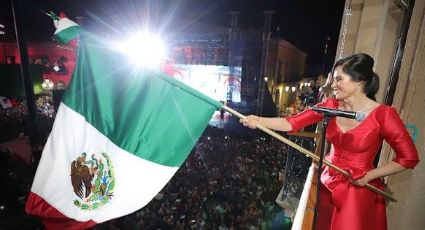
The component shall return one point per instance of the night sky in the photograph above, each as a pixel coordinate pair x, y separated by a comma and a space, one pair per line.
306, 24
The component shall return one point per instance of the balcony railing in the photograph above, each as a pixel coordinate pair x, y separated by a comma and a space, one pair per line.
297, 196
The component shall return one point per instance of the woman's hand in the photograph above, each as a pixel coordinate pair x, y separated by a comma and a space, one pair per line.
251, 121
275, 123
362, 181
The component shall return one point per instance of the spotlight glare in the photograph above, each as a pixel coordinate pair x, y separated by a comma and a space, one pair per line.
143, 50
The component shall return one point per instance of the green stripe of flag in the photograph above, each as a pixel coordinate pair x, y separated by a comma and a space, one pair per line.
148, 114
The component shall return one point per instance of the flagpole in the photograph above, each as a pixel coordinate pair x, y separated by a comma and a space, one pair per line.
26, 72
308, 153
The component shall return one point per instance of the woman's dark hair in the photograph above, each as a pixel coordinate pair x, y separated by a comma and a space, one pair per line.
360, 68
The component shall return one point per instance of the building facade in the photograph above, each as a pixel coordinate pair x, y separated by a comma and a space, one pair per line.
285, 71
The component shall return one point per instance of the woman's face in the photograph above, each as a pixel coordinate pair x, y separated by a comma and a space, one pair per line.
342, 85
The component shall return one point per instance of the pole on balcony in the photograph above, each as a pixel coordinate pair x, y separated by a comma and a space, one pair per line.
25, 72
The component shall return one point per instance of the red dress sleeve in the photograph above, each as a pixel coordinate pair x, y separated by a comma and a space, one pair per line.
308, 116
394, 132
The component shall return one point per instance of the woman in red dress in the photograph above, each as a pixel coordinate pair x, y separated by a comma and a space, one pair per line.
344, 203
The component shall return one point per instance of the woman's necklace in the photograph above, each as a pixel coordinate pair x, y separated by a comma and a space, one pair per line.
361, 114
364, 111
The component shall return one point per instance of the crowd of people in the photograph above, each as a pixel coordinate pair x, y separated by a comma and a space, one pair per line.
18, 113
226, 183
14, 120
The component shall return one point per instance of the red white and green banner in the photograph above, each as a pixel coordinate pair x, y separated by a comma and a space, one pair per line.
119, 136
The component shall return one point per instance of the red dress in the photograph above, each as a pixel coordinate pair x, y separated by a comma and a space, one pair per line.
342, 204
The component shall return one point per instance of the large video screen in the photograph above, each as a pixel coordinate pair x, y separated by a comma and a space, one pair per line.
222, 83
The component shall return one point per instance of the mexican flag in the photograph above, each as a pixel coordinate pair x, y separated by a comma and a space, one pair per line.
119, 136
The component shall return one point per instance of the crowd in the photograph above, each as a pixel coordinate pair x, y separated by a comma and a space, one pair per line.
18, 113
14, 121
226, 183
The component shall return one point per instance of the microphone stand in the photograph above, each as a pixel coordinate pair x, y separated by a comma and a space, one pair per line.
326, 119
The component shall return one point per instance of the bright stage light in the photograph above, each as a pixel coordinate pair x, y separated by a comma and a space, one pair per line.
144, 50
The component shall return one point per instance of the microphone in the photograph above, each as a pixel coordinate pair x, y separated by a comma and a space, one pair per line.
339, 113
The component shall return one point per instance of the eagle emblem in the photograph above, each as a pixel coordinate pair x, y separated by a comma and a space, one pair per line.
93, 180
